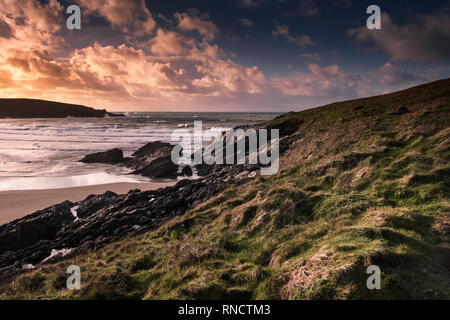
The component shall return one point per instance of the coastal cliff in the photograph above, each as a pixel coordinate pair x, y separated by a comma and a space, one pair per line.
31, 108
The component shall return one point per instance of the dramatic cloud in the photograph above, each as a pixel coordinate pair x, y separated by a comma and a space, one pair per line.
282, 31
189, 23
128, 15
426, 40
168, 42
25, 23
333, 81
181, 62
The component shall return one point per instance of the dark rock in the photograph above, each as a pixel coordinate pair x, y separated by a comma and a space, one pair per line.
112, 156
103, 219
155, 148
146, 154
41, 225
160, 168
186, 171
95, 202
204, 169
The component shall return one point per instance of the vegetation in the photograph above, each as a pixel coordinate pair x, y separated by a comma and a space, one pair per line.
365, 182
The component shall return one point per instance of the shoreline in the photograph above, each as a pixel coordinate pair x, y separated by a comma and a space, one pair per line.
17, 204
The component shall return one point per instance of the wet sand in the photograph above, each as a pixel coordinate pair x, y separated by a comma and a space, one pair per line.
16, 204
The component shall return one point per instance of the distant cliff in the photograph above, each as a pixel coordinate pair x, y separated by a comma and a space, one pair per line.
30, 108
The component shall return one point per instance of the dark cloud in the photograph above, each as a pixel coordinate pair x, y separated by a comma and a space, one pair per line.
246, 23
428, 39
282, 31
5, 30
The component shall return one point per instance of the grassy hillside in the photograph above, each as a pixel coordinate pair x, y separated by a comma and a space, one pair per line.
365, 182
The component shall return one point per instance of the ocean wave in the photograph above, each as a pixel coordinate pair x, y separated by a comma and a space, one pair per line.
52, 147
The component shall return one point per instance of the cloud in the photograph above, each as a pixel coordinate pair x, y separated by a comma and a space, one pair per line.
187, 22
312, 8
246, 23
168, 42
130, 16
391, 75
333, 83
282, 31
5, 30
27, 23
426, 40
166, 68
308, 8
6, 80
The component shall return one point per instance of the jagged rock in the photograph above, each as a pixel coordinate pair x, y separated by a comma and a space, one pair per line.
154, 148
103, 219
41, 225
112, 156
204, 169
160, 168
148, 153
95, 202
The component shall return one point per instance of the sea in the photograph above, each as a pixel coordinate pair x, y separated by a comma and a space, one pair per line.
45, 153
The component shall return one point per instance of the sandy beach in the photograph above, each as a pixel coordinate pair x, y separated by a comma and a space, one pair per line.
16, 204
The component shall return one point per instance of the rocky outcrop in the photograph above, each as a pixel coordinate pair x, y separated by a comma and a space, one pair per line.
160, 168
147, 154
69, 228
153, 149
152, 160
204, 169
31, 108
113, 156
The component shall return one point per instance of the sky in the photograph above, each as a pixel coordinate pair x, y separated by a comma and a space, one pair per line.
219, 55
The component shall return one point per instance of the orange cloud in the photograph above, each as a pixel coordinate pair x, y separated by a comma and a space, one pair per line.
168, 42
188, 23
